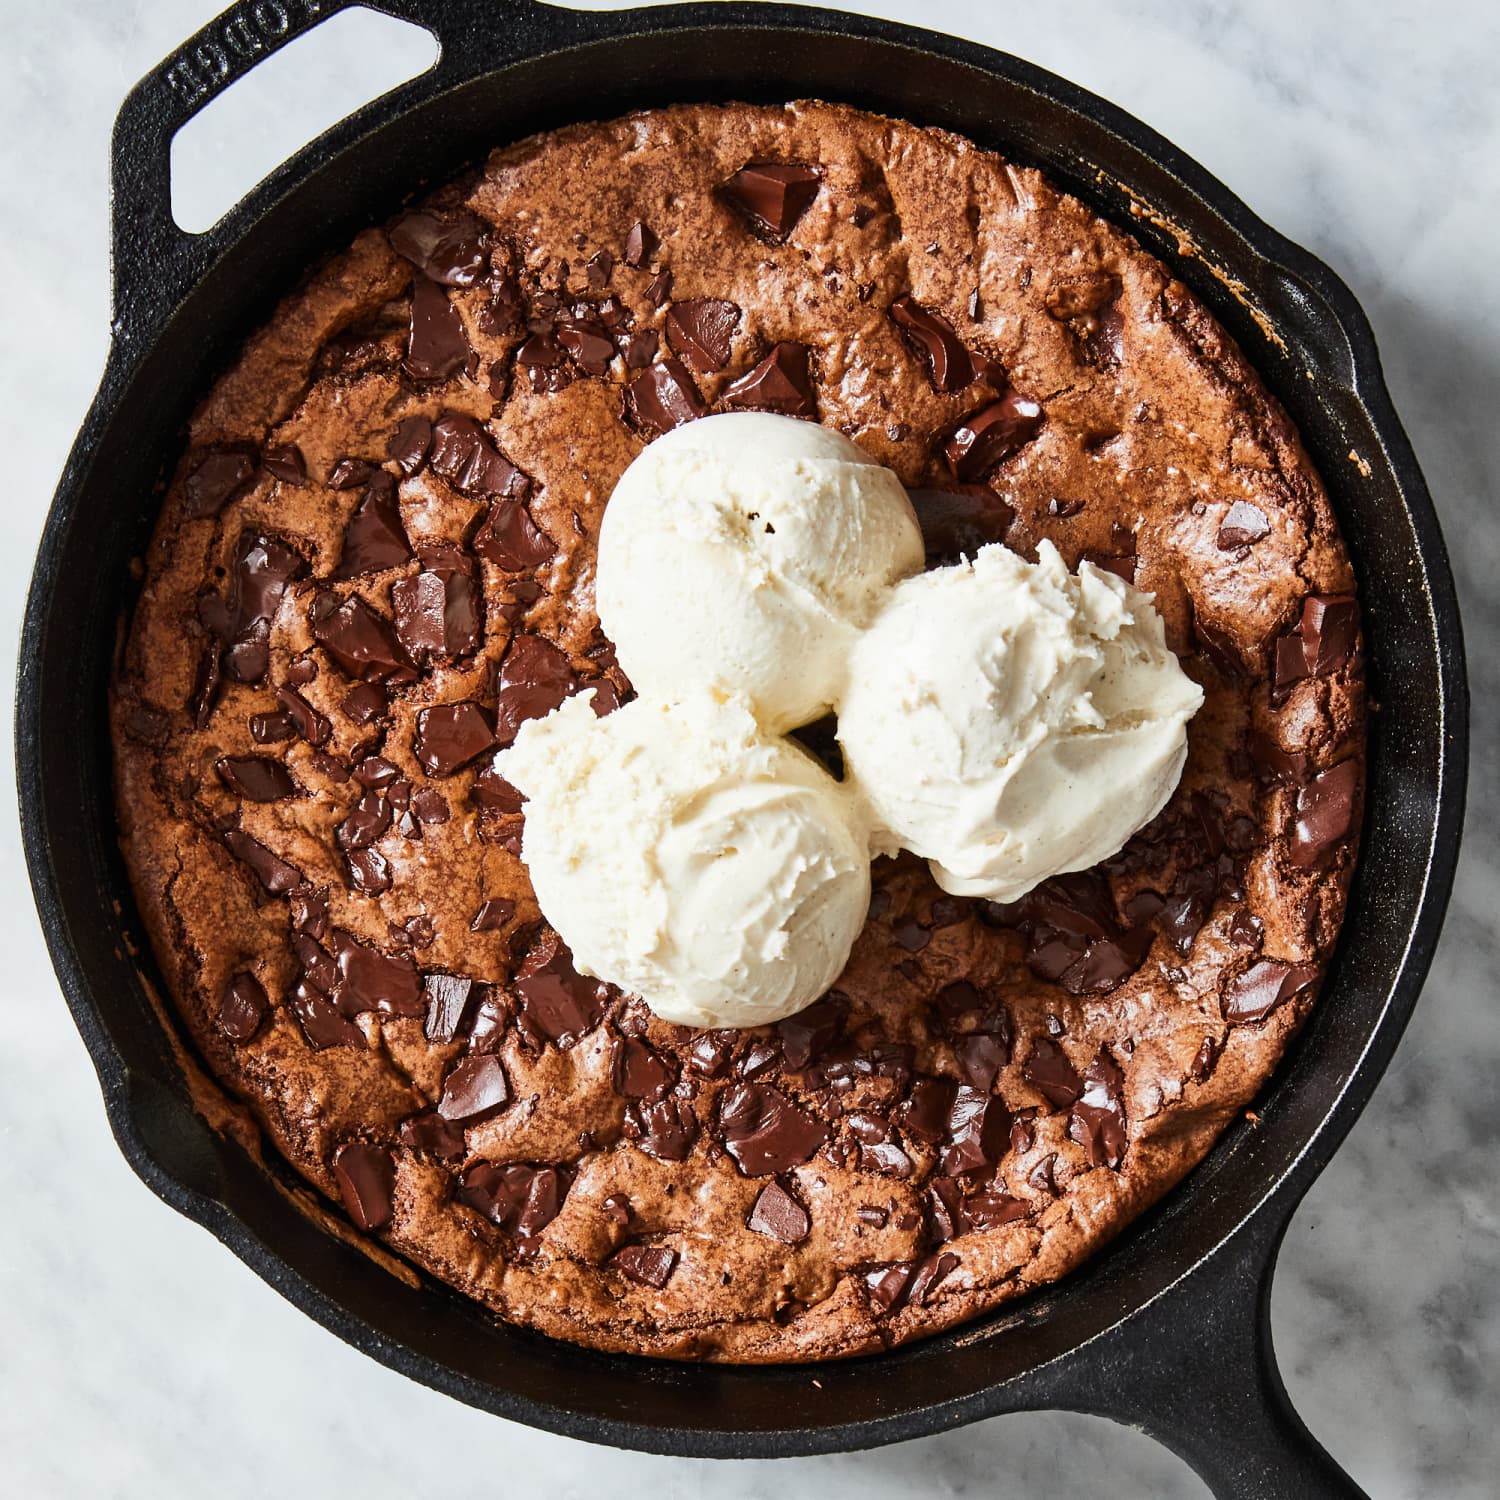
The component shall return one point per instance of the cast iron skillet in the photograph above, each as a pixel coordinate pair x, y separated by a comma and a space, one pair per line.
1168, 1329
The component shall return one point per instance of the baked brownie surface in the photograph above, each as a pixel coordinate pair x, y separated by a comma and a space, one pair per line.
376, 559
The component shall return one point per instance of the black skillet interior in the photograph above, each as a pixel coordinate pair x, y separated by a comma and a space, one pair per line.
1167, 1329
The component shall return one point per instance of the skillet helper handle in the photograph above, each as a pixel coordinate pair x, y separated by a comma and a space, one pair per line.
154, 262
1195, 1369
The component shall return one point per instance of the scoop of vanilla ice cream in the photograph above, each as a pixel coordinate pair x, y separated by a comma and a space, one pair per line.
741, 552
685, 855
1009, 721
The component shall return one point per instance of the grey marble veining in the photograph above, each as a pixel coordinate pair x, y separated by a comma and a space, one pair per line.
138, 1357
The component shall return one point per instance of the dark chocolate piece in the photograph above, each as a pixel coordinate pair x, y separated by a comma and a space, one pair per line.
474, 1090
664, 397
273, 872
242, 1007
985, 438
650, 1265
638, 1070
361, 642
1264, 987
375, 538
410, 444
781, 383
949, 366
464, 456
764, 1131
511, 539
256, 778
219, 476
1048, 1070
452, 251
285, 464
1325, 814
1243, 525
534, 678
431, 1135
773, 196
451, 735
701, 330
366, 1177
448, 998
641, 245
778, 1215
1097, 1122
437, 346
978, 1131
555, 998
519, 1196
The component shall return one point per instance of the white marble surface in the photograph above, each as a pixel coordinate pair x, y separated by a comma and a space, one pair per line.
139, 1357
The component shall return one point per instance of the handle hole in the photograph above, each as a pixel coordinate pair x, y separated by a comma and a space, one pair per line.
284, 102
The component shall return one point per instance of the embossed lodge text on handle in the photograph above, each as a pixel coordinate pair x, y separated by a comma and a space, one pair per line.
235, 42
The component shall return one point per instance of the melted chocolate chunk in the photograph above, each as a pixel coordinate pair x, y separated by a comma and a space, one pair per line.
1074, 936
663, 397
474, 1090
1325, 814
935, 340
364, 824
273, 872
778, 1215
218, 477
702, 330
957, 523
370, 980
993, 433
1243, 525
437, 346
558, 1001
361, 642
313, 727
925, 1111
440, 610
886, 1285
349, 473
375, 538
806, 1036
366, 1176
587, 344
450, 736
322, 1023
263, 569
534, 678
452, 252
369, 872
980, 1056
519, 1196
709, 1052
431, 1135
663, 1128
650, 1265
1097, 1122
773, 196
272, 728
1204, 1061
926, 1276
256, 778
781, 383
1272, 763
464, 456
639, 1071
448, 1000
430, 806
242, 1007
1264, 987
641, 245
511, 539
410, 444
285, 464
1048, 1071
493, 915
1322, 643
978, 1132
764, 1131
991, 1208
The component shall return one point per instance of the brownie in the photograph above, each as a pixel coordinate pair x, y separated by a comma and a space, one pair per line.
375, 560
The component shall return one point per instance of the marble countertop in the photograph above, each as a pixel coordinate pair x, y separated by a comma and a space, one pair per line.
140, 1357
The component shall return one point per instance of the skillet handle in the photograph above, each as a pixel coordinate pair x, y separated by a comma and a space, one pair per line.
154, 262
1195, 1370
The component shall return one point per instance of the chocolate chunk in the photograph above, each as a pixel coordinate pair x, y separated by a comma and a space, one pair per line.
374, 539
980, 1056
349, 473
511, 539
493, 915
779, 1216
365, 823
617, 1208
1097, 1122
910, 934
1329, 630
376, 772
764, 1131
1074, 935
242, 1007
879, 1151
1246, 930
493, 792
772, 196
925, 1112
366, 1176
808, 1034
781, 382
702, 331
1204, 1060
263, 568
641, 245
1048, 1071
587, 344
534, 678
314, 727
430, 806
935, 340
448, 998
370, 980
887, 1285
638, 1070
650, 1265
273, 872
364, 703
218, 477
1243, 525
437, 346
310, 913
992, 434
440, 610
451, 735
1325, 814
957, 523
709, 1052
272, 728
663, 1128
411, 443
256, 778
369, 872
555, 998
663, 397
474, 1090
757, 1058
639, 347
926, 1276
452, 252
992, 1208
599, 268
1272, 763
659, 291
285, 464
361, 642
978, 1131
1264, 987
464, 456
322, 1023
431, 1135
943, 1201
518, 1196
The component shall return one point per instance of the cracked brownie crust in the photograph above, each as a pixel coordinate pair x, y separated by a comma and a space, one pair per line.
375, 560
